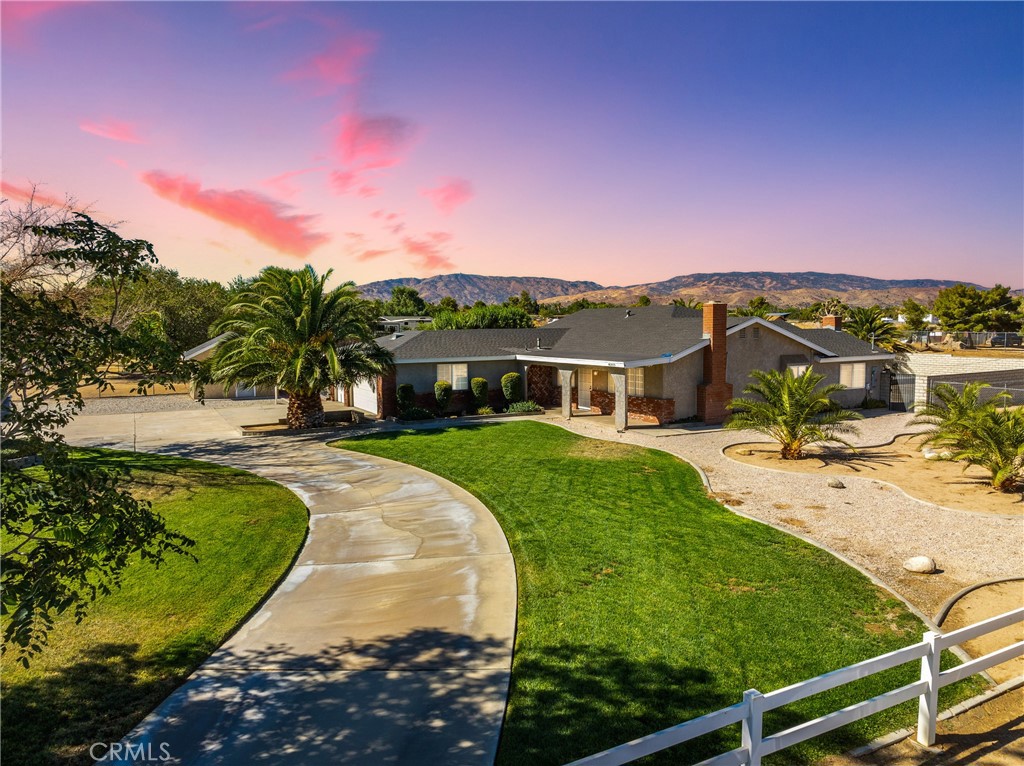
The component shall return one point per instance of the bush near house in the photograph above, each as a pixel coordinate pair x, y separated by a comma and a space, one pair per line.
479, 388
512, 387
405, 396
520, 407
443, 395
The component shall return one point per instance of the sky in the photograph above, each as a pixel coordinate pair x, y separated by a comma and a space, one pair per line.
616, 142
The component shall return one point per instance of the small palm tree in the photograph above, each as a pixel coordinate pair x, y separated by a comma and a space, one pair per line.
792, 410
868, 324
978, 433
287, 330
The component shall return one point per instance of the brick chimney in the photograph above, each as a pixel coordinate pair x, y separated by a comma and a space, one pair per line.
832, 322
714, 392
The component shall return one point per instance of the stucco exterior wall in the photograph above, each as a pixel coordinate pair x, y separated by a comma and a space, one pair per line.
423, 376
679, 381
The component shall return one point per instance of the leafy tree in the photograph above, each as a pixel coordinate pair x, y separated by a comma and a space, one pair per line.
976, 432
966, 308
523, 301
913, 315
289, 331
405, 302
448, 303
643, 300
756, 307
481, 318
868, 324
831, 307
794, 411
69, 528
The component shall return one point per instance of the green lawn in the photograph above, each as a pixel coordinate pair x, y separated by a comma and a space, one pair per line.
643, 603
98, 679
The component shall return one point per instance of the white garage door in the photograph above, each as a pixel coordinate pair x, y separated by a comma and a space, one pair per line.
364, 396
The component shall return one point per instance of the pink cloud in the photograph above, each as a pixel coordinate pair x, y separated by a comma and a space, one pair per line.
366, 191
20, 18
265, 219
369, 255
120, 162
428, 250
27, 194
281, 183
340, 64
115, 130
368, 143
452, 193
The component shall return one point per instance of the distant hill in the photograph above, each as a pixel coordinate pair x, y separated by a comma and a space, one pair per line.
470, 288
736, 287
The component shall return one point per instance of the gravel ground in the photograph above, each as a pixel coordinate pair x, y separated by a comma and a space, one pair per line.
125, 405
869, 522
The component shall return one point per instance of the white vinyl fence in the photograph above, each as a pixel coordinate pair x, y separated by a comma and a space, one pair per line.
750, 711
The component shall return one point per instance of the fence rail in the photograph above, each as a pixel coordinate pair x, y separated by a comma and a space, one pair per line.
750, 712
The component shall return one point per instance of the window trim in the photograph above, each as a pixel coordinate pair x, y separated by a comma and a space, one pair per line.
447, 371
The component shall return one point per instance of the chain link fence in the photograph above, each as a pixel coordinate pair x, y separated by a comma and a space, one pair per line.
1015, 395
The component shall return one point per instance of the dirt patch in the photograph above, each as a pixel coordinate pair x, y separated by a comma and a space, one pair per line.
600, 450
980, 605
901, 463
793, 522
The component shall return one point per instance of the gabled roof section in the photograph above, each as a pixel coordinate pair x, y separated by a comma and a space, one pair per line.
202, 348
430, 345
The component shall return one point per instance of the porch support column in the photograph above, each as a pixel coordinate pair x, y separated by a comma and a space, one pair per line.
621, 400
565, 378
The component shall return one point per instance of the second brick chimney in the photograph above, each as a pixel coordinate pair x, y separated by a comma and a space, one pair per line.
715, 391
832, 322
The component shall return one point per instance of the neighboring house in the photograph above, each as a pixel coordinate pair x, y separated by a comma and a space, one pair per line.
400, 323
204, 351
654, 364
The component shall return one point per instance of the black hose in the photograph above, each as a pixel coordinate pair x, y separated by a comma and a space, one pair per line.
944, 611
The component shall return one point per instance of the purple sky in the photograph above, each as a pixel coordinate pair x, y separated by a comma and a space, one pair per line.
617, 142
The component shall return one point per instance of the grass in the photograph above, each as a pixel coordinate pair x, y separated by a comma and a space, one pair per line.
99, 678
644, 603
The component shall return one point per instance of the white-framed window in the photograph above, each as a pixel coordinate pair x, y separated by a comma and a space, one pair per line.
635, 381
852, 375
456, 374
797, 369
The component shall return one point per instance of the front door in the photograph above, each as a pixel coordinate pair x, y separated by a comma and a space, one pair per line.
584, 384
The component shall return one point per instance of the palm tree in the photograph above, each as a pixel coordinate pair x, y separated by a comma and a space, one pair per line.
287, 330
868, 324
978, 433
792, 410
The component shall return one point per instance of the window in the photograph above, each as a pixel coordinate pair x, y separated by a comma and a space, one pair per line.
635, 381
456, 374
852, 375
797, 369
757, 333
743, 333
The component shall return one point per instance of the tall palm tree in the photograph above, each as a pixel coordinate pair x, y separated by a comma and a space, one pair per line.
792, 410
287, 330
867, 324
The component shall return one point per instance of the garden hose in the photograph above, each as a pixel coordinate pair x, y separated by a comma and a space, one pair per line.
944, 611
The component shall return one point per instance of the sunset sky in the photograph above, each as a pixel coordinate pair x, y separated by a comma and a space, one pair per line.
616, 142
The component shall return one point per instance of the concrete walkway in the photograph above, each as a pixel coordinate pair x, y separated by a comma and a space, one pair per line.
390, 641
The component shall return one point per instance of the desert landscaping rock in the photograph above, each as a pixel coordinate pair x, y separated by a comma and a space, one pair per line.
836, 483
920, 564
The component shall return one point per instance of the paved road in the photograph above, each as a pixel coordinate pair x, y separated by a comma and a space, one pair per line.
389, 642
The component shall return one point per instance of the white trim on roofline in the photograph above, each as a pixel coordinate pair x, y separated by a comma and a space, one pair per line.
204, 347
664, 359
851, 359
780, 331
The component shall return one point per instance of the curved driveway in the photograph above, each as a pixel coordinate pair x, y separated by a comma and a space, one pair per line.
389, 641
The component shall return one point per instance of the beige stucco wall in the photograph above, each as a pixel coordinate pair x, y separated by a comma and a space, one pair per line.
424, 376
679, 381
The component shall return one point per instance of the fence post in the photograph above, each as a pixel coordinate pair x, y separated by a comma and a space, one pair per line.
928, 705
752, 726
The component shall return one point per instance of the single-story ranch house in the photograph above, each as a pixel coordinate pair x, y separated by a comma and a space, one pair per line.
653, 364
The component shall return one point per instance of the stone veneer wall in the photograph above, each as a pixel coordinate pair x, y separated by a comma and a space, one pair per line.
641, 408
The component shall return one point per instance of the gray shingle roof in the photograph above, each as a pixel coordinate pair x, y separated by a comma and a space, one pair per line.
611, 335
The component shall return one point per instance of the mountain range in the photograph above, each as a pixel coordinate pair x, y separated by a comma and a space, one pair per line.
735, 287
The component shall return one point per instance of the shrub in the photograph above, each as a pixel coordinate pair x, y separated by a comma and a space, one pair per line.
443, 395
406, 396
416, 413
873, 404
512, 387
479, 388
485, 410
525, 407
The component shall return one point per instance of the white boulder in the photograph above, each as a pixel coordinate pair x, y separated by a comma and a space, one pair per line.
922, 564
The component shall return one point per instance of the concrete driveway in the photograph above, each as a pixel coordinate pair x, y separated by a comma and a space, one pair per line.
390, 641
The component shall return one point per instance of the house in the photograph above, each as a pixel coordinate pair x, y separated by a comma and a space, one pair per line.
204, 351
400, 323
654, 364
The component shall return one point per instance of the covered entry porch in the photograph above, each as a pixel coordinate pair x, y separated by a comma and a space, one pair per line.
627, 394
